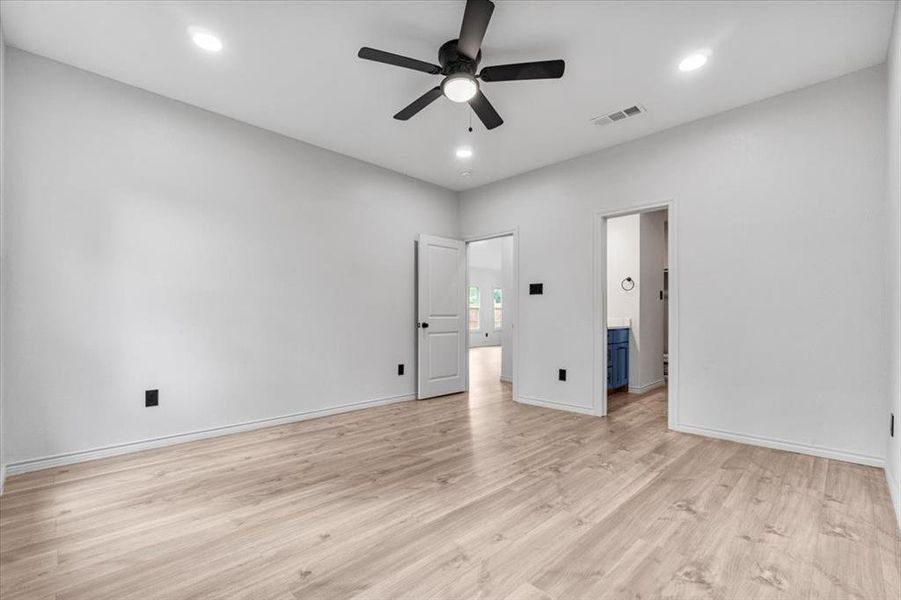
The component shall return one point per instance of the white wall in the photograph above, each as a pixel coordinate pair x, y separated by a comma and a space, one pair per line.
624, 260
156, 245
893, 195
779, 206
653, 261
2, 251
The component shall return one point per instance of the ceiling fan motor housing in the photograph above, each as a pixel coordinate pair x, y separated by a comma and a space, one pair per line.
453, 62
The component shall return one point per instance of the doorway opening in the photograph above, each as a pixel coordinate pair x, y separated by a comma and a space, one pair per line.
635, 310
490, 297
449, 317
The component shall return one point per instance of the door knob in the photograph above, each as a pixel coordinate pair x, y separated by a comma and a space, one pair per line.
424, 325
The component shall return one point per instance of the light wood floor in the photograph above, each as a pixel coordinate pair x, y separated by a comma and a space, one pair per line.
457, 497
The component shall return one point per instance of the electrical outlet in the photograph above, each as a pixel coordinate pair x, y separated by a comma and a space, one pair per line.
152, 398
400, 369
536, 289
561, 374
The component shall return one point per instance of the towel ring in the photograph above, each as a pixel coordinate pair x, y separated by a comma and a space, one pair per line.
627, 282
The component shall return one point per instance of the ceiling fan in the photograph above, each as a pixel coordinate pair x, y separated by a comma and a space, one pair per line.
459, 62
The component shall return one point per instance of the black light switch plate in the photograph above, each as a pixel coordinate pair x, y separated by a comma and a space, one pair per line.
561, 374
400, 369
152, 398
536, 289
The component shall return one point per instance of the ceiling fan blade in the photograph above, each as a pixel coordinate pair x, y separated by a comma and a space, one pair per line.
475, 23
398, 61
418, 104
543, 69
485, 111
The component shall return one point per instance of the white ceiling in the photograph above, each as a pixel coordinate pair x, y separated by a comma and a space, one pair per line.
291, 67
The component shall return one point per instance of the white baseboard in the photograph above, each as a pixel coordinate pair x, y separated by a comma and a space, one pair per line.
555, 405
69, 458
2, 478
647, 388
506, 379
895, 494
753, 440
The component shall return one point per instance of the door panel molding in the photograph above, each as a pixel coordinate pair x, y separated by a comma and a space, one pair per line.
441, 316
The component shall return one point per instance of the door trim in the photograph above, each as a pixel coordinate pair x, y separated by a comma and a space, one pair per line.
599, 318
514, 233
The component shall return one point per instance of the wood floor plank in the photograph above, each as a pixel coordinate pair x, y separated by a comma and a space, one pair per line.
465, 496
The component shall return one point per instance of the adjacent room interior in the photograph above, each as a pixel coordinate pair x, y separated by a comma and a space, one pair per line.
637, 298
463, 299
489, 278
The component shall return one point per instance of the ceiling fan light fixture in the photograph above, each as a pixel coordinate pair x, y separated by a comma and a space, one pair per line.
460, 87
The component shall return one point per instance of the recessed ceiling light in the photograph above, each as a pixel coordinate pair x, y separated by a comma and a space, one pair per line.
460, 87
464, 152
205, 40
694, 61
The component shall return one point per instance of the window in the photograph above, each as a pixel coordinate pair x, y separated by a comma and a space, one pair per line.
498, 308
474, 305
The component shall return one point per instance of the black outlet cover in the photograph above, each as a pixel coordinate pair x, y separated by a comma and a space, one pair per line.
561, 374
536, 289
152, 398
400, 369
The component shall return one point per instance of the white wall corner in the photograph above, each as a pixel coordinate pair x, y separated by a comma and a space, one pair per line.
647, 388
788, 446
546, 403
3, 303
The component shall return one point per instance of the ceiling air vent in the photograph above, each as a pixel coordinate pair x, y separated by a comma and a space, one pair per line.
618, 115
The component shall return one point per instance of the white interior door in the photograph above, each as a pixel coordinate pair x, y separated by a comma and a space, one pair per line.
441, 321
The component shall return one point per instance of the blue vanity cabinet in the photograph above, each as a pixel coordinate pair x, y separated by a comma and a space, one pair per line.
617, 357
